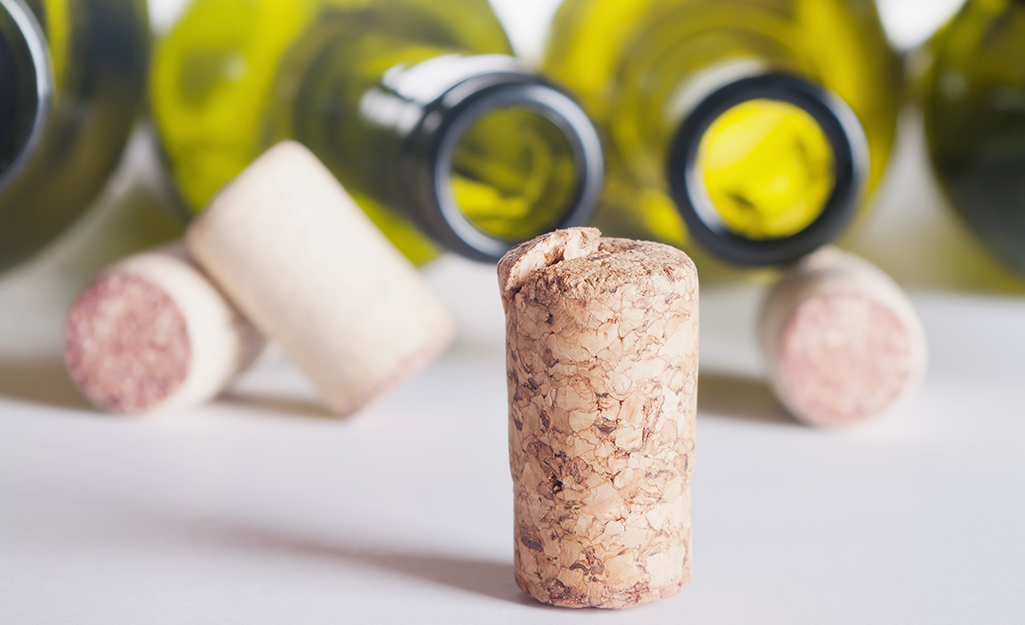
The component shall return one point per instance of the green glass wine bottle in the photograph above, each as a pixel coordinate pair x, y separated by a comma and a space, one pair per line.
753, 128
72, 76
975, 121
416, 106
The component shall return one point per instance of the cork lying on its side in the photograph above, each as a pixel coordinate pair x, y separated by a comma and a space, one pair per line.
313, 273
152, 333
842, 341
602, 357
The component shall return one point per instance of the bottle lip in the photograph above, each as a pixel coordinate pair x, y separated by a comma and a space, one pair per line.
432, 144
842, 130
33, 53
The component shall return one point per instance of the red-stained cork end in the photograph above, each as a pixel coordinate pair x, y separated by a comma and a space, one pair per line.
845, 357
127, 344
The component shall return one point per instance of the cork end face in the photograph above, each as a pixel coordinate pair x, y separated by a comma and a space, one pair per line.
844, 358
526, 259
127, 344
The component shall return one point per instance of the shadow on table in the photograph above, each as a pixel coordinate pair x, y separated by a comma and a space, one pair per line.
40, 380
733, 396
278, 405
484, 577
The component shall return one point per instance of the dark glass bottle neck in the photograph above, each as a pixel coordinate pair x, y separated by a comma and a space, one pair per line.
391, 138
25, 87
427, 160
838, 124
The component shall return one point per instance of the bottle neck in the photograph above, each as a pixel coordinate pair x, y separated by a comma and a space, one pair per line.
765, 166
478, 152
498, 158
26, 85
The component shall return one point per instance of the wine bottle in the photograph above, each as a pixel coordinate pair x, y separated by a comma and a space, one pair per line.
974, 111
416, 106
72, 75
753, 128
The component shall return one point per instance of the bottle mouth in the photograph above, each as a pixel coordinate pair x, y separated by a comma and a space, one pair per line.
25, 88
768, 168
499, 159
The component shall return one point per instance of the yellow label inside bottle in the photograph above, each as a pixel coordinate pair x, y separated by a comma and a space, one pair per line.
767, 167
513, 174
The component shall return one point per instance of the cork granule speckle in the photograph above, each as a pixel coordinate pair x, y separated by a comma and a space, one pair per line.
602, 341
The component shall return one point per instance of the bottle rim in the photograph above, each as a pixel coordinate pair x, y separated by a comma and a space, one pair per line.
842, 130
33, 40
434, 142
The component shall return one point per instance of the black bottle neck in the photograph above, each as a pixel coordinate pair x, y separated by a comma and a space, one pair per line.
25, 87
838, 124
427, 160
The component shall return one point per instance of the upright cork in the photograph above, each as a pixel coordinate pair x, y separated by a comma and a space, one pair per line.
298, 256
602, 357
152, 333
842, 342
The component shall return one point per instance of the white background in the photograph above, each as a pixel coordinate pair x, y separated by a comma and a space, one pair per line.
261, 509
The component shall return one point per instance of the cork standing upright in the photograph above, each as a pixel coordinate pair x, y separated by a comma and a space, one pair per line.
602, 358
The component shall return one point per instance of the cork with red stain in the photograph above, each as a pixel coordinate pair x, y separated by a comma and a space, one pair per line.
154, 333
127, 344
602, 358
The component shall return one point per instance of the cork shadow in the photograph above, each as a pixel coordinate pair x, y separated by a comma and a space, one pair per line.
40, 380
733, 396
483, 577
279, 405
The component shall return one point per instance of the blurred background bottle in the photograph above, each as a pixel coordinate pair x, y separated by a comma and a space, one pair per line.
415, 105
975, 121
72, 74
754, 128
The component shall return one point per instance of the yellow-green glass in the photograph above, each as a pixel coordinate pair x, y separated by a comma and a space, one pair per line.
512, 172
99, 53
975, 121
767, 168
235, 76
632, 63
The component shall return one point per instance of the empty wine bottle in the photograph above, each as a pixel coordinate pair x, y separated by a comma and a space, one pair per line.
754, 128
415, 105
72, 75
975, 121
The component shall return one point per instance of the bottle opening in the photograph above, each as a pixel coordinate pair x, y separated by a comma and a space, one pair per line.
767, 167
508, 156
513, 174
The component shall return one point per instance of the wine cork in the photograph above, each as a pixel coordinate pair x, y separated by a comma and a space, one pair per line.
152, 333
305, 264
842, 342
602, 357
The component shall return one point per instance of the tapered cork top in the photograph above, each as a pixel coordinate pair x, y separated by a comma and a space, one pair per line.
577, 262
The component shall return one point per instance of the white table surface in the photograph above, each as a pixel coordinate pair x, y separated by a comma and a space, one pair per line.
261, 509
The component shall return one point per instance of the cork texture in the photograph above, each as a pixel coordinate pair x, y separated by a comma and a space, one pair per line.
602, 357
844, 357
127, 344
842, 342
152, 333
302, 260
